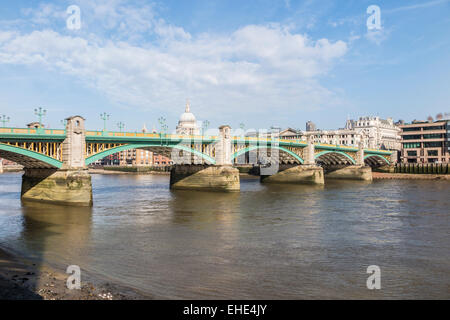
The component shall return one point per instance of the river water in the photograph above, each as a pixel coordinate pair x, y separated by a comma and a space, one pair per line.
266, 242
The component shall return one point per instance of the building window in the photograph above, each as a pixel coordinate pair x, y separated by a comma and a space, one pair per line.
412, 153
433, 128
433, 153
432, 136
411, 129
432, 144
412, 137
411, 145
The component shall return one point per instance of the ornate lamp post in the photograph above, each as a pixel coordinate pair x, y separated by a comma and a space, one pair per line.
4, 119
104, 117
64, 123
40, 113
205, 126
162, 123
121, 125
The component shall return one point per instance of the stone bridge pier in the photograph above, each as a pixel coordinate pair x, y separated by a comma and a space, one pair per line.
358, 171
68, 185
306, 173
221, 176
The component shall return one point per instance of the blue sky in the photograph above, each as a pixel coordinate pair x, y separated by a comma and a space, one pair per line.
260, 63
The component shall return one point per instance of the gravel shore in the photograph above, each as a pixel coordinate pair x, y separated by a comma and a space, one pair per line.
21, 279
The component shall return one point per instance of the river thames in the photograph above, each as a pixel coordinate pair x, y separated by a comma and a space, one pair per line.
265, 242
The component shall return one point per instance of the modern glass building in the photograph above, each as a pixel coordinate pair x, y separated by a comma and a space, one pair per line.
426, 142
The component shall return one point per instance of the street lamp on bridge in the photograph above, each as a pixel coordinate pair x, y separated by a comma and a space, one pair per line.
121, 125
4, 119
162, 123
64, 123
104, 117
40, 113
205, 126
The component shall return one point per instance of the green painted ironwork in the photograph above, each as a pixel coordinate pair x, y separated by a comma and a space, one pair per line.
31, 154
104, 116
251, 148
378, 156
111, 151
335, 151
40, 113
4, 119
171, 140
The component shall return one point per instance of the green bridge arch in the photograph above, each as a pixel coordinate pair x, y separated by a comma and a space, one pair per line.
378, 156
31, 154
251, 148
111, 151
335, 151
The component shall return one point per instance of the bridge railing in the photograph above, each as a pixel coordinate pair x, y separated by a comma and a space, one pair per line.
147, 135
32, 131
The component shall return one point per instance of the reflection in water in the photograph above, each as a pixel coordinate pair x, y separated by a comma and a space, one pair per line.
55, 230
268, 241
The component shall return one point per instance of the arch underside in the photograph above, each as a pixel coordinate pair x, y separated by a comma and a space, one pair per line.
264, 154
334, 158
375, 160
177, 153
27, 158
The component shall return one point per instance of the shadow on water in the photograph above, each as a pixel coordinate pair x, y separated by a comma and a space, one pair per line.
52, 231
189, 206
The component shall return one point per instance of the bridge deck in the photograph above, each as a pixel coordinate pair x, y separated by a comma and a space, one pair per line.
41, 134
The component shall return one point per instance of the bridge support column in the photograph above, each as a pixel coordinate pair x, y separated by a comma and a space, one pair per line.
219, 177
296, 174
353, 172
204, 177
307, 173
359, 171
69, 185
66, 187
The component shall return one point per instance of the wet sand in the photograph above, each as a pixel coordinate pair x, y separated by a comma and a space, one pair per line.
21, 279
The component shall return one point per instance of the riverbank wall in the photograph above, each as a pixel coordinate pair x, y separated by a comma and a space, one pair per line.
416, 168
409, 176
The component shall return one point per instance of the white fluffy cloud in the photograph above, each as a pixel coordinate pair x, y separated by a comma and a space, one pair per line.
148, 63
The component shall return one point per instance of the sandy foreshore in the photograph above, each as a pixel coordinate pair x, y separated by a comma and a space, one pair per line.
22, 279
410, 176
